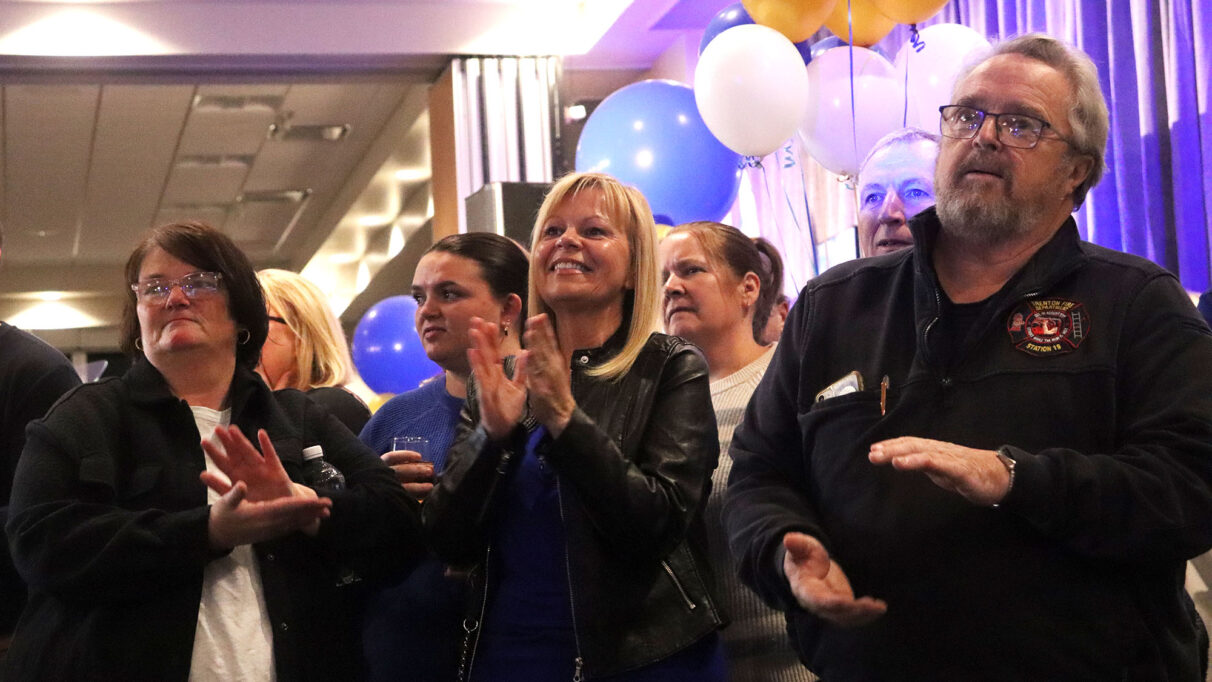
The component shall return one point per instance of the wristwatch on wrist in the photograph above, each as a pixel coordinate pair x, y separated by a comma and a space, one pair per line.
1008, 462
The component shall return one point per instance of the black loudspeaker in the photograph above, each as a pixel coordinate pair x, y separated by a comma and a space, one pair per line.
507, 208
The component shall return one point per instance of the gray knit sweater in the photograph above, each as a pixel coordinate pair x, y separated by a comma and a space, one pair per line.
756, 640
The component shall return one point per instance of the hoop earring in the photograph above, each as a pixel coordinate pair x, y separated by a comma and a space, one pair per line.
243, 340
139, 344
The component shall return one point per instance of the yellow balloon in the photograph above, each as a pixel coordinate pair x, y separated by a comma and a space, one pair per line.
909, 11
796, 19
869, 24
377, 401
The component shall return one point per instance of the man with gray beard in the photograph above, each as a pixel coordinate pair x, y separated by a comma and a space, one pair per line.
988, 456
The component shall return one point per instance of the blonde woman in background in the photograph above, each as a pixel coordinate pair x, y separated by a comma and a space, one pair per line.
306, 348
721, 290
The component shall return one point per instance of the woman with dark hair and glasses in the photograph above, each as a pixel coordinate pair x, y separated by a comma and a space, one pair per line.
412, 630
158, 542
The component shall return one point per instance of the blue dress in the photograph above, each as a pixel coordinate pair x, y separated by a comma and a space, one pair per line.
528, 625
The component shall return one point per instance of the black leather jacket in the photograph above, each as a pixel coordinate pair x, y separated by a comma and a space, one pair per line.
634, 469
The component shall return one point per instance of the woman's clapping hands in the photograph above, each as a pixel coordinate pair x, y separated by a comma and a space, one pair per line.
540, 375
259, 501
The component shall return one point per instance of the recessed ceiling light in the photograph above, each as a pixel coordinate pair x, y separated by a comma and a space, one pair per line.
332, 132
575, 112
395, 241
273, 102
344, 258
80, 33
245, 160
292, 196
374, 220
53, 315
412, 174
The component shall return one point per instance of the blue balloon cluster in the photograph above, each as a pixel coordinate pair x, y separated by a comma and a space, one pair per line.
386, 349
650, 135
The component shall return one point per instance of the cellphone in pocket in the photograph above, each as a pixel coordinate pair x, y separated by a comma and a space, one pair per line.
851, 383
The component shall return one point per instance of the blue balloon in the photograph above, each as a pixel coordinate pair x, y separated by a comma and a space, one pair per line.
387, 350
650, 135
732, 15
805, 50
830, 42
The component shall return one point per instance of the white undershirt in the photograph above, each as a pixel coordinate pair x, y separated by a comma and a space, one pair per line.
234, 639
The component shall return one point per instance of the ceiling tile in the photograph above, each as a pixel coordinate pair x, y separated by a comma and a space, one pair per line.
216, 216
243, 90
224, 131
257, 226
204, 182
48, 131
137, 133
320, 103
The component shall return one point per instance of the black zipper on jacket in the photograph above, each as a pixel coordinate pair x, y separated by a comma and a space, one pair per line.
471, 640
579, 661
938, 307
470, 645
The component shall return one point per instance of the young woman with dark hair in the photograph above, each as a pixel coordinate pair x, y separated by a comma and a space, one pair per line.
411, 630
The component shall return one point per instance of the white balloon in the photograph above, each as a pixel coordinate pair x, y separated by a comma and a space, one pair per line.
838, 140
930, 73
867, 62
751, 89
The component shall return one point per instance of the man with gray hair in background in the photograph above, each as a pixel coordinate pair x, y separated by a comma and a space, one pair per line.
988, 456
895, 183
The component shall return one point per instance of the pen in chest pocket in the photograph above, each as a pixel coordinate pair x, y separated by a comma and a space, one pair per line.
884, 395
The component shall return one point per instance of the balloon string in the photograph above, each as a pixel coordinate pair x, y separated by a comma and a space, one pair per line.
778, 227
916, 42
816, 263
905, 89
853, 107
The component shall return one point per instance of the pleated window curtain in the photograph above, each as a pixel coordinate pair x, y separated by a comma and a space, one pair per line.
505, 113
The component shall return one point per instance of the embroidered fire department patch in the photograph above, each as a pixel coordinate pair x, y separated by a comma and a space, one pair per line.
1048, 326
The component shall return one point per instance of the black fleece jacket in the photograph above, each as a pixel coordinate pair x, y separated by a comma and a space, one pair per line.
1094, 371
108, 525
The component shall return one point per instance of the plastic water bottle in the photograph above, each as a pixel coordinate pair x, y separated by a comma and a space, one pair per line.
318, 473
